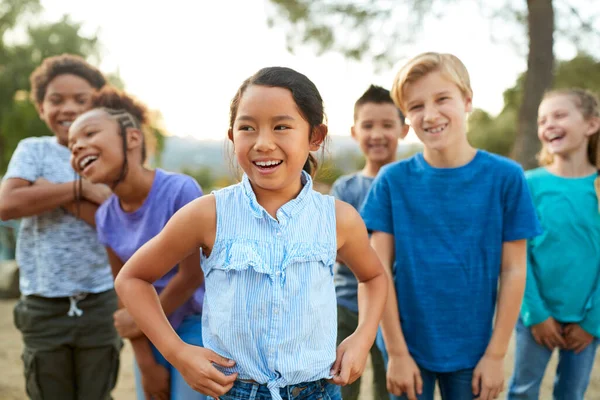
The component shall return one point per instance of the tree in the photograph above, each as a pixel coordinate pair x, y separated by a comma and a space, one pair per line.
18, 116
373, 30
498, 134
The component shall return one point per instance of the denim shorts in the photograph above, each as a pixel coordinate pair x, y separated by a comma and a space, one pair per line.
317, 390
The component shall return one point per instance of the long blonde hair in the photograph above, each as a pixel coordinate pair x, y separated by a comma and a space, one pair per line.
589, 106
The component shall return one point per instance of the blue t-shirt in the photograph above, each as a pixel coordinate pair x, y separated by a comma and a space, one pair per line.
352, 189
125, 232
449, 226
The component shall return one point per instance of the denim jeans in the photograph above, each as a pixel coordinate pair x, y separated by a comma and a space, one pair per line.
531, 359
190, 332
318, 390
453, 385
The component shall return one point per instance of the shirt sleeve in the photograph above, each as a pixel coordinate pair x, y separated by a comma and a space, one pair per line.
100, 218
377, 207
519, 217
591, 321
24, 163
190, 190
534, 309
337, 190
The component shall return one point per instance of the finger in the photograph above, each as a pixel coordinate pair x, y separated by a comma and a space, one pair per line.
580, 347
538, 339
419, 383
220, 378
547, 343
337, 365
568, 329
410, 390
344, 376
485, 392
559, 340
475, 383
212, 389
219, 360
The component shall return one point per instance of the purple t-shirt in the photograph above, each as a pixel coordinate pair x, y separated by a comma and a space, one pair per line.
126, 232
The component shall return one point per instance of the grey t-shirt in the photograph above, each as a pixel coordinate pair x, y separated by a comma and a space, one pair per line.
58, 254
352, 189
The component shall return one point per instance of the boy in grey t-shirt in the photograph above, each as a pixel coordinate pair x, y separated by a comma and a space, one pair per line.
71, 348
378, 126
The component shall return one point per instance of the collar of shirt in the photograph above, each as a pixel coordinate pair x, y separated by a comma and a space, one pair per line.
289, 209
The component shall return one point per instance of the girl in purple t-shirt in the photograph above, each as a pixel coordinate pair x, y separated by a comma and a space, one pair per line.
107, 146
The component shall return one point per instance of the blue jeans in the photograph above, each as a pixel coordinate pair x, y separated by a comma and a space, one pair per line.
531, 359
317, 390
453, 385
190, 332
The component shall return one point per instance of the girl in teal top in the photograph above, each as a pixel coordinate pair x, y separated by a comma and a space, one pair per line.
561, 307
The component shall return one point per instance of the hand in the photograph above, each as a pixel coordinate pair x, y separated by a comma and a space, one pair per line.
155, 382
350, 360
404, 376
95, 192
549, 333
488, 378
125, 325
577, 339
196, 366
42, 181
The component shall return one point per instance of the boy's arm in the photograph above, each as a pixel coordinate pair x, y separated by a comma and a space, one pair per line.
403, 374
20, 198
488, 377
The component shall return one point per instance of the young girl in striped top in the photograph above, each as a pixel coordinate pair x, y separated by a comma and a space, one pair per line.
268, 246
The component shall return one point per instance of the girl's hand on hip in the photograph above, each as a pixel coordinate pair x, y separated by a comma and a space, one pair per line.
488, 378
350, 360
404, 376
549, 333
197, 366
577, 339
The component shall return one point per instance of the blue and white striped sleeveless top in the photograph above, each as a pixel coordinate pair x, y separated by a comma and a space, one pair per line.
270, 300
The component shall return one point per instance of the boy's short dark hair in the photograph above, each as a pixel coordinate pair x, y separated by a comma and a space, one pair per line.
378, 95
54, 66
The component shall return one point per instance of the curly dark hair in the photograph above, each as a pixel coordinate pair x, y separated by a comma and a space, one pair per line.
64, 64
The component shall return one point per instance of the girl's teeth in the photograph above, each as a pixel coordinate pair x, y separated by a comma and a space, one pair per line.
267, 163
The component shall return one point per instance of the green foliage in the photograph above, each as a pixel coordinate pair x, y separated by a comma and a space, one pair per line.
207, 179
18, 116
328, 172
497, 134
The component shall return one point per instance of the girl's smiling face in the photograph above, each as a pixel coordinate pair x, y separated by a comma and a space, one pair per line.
272, 138
96, 147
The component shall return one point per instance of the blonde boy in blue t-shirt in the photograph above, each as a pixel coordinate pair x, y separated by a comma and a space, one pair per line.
452, 222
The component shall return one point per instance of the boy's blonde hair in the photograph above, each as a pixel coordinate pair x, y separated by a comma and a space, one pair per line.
449, 65
588, 104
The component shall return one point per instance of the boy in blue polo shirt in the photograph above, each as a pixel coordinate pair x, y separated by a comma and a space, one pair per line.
378, 125
453, 222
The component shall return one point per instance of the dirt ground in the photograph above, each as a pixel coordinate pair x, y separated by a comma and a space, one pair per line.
11, 375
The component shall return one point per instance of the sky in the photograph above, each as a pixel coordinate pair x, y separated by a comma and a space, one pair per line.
187, 58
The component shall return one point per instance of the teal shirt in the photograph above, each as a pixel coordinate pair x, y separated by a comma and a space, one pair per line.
563, 267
